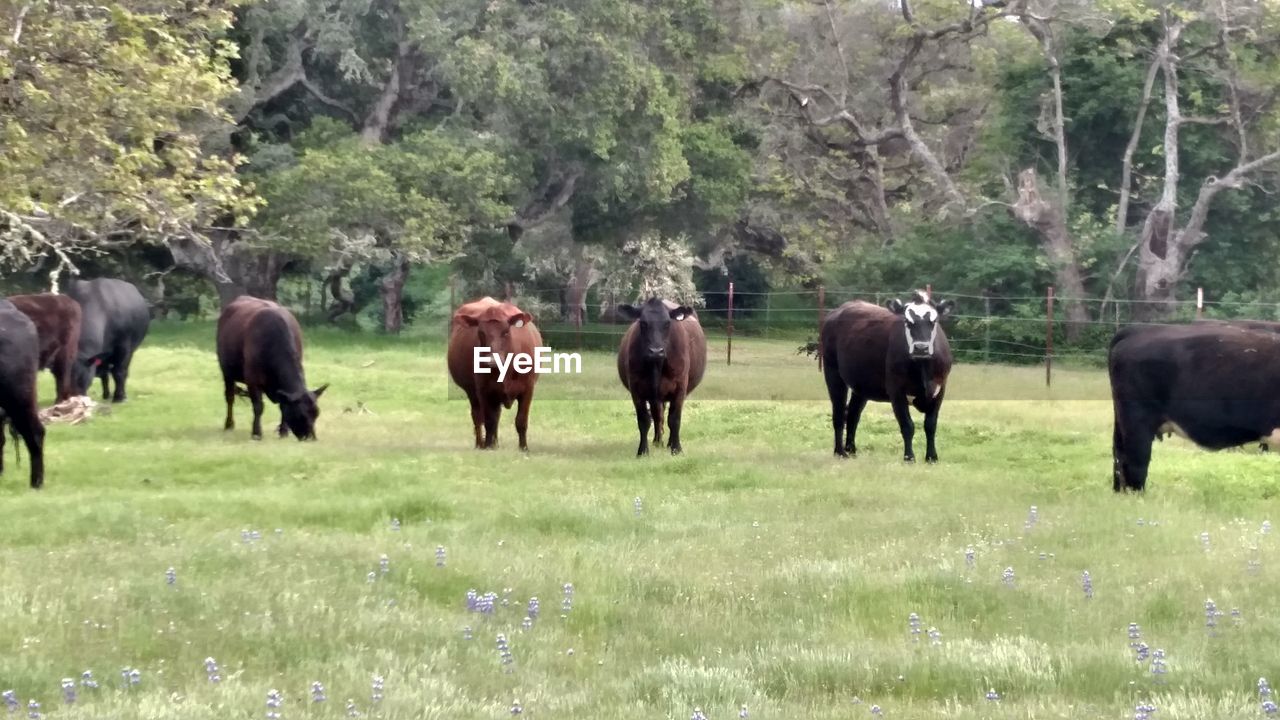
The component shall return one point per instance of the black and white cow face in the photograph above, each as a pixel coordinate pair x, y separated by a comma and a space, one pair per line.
921, 318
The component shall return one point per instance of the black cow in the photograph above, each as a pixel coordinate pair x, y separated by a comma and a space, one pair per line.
1212, 383
661, 360
19, 363
897, 355
114, 319
260, 345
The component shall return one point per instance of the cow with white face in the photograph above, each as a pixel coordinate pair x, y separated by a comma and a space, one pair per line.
896, 354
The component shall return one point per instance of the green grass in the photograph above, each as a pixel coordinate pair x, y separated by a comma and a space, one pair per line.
761, 571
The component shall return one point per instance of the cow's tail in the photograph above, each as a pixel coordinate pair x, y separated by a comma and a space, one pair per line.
17, 445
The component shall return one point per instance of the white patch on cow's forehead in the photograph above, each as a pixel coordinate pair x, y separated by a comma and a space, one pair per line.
922, 311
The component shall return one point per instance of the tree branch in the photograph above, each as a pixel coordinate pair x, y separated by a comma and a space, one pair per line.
1192, 234
1126, 165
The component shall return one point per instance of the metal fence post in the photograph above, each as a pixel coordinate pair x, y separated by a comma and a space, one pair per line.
1048, 339
1199, 303
729, 352
986, 324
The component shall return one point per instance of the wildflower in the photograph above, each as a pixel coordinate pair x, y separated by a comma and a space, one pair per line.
68, 691
376, 695
440, 556
567, 605
487, 602
352, 712
1266, 527
1270, 708
132, 676
1204, 541
472, 600
993, 696
875, 710
935, 636
274, 700
384, 564
373, 576
913, 622
1143, 711
171, 577
1264, 689
1032, 517
970, 557
506, 597
87, 681
1158, 666
211, 670
742, 713
1211, 615
1237, 618
515, 707
1008, 576
1142, 652
697, 715
534, 607
639, 505
317, 692
504, 652
527, 624
33, 710
1086, 583
395, 524
1135, 634
10, 700
466, 632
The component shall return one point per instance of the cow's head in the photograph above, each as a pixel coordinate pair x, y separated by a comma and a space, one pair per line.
494, 325
300, 410
654, 332
921, 317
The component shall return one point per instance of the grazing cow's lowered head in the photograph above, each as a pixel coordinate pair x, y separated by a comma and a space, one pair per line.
299, 411
654, 326
922, 317
494, 325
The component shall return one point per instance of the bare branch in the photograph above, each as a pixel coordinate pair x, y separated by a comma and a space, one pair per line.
835, 40
17, 24
1126, 166
1192, 234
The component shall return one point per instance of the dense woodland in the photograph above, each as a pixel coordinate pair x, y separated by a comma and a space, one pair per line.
1121, 149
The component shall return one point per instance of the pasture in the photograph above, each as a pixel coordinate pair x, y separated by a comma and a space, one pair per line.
755, 570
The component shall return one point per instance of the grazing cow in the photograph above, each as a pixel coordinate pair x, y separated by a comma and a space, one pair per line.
19, 363
57, 321
506, 331
260, 345
1212, 383
661, 360
114, 319
897, 355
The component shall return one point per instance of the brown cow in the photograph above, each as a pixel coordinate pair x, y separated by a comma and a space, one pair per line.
506, 331
661, 360
897, 355
57, 320
260, 345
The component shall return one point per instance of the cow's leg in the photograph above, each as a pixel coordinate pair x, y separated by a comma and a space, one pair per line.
1131, 448
477, 419
2, 429
673, 420
902, 412
120, 373
642, 422
28, 425
522, 418
255, 397
229, 390
492, 414
656, 412
60, 368
930, 432
856, 405
282, 430
839, 393
101, 372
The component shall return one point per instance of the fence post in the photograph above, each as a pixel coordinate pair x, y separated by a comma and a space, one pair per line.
577, 326
453, 305
1199, 303
822, 312
768, 303
729, 354
1048, 340
986, 324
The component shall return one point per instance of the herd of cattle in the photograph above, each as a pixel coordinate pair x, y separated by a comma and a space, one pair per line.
1212, 382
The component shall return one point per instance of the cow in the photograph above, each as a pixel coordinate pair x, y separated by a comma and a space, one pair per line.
507, 332
1212, 383
114, 318
19, 363
260, 345
896, 354
57, 321
661, 359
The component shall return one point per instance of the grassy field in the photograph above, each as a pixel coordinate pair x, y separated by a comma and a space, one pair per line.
757, 570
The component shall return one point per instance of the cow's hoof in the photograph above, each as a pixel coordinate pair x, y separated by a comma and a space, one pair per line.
932, 460
908, 458
676, 449
842, 454
642, 452
256, 436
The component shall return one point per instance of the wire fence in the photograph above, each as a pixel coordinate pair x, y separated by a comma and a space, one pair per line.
982, 328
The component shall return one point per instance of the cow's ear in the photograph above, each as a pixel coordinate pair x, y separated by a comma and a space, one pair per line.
895, 306
680, 313
945, 307
630, 312
520, 319
470, 320
320, 390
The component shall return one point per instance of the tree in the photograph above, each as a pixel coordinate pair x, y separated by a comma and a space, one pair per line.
103, 109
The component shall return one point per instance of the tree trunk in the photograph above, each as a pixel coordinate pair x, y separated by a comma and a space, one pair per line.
232, 267
575, 292
1046, 220
392, 289
343, 300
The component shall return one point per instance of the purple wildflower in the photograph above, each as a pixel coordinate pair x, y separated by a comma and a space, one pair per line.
1269, 707
395, 524
1211, 615
527, 624
211, 670
87, 681
274, 700
1266, 527
1237, 618
1142, 652
697, 714
1033, 517
317, 692
1158, 665
352, 712
534, 607
913, 623
1135, 634
376, 694
466, 632
33, 710
875, 710
1086, 583
472, 600
970, 557
504, 652
567, 605
639, 505
171, 577
742, 713
384, 564
1143, 711
993, 696
1264, 689
935, 636
487, 603
440, 556
68, 691
1007, 576
372, 576
10, 700
515, 707
1204, 541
